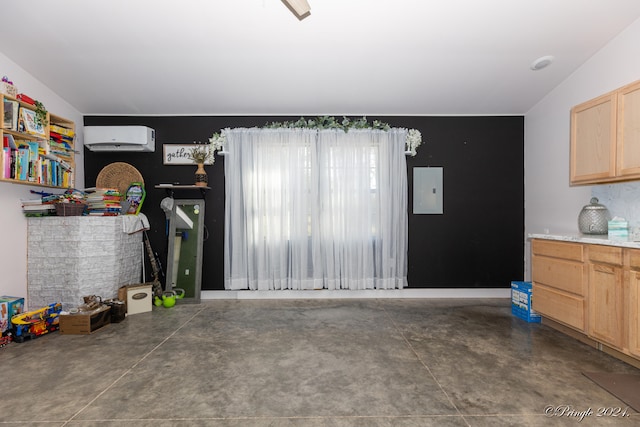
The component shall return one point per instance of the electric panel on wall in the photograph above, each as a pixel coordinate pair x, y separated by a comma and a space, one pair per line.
427, 191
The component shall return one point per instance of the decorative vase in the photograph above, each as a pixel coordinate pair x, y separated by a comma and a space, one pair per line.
201, 176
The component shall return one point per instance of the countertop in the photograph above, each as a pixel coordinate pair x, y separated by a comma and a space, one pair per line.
587, 238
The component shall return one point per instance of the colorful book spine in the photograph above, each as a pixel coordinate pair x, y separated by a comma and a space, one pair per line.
24, 163
6, 162
62, 130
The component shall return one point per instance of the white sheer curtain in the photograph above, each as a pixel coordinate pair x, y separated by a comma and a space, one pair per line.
308, 209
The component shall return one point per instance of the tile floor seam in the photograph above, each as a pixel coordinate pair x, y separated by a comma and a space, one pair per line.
266, 417
128, 370
423, 363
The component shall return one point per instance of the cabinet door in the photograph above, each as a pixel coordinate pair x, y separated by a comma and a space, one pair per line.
593, 140
559, 306
566, 276
628, 139
606, 308
634, 313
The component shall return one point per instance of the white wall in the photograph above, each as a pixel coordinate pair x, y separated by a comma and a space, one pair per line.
551, 206
13, 244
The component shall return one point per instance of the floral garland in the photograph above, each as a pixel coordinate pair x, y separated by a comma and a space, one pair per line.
413, 141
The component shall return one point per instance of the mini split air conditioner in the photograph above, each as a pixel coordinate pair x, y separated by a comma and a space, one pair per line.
120, 138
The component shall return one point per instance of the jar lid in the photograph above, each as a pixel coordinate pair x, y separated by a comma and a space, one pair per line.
594, 205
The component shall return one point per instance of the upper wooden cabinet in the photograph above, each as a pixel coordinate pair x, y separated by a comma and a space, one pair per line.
628, 137
605, 137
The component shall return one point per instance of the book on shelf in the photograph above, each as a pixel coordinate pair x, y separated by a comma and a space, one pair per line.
12, 172
62, 131
34, 150
10, 119
60, 138
64, 164
29, 122
26, 99
6, 162
9, 141
23, 165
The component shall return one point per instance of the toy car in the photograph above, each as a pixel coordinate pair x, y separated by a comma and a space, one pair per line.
33, 324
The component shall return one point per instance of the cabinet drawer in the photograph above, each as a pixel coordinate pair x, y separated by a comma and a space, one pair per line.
572, 251
605, 254
557, 305
634, 259
564, 275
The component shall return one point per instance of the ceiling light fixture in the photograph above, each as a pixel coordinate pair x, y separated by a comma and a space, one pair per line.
300, 8
542, 62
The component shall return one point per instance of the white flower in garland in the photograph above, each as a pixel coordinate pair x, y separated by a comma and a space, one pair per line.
414, 139
217, 141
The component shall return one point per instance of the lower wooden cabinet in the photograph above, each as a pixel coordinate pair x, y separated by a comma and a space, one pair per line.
593, 289
559, 282
606, 304
560, 306
634, 303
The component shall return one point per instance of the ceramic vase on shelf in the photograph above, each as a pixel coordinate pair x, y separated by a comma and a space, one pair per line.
201, 176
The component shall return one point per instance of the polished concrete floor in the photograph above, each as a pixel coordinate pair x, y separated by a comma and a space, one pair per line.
237, 363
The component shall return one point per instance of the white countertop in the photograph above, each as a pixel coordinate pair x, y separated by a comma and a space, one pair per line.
587, 238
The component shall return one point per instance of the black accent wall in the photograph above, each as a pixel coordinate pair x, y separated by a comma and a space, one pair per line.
477, 243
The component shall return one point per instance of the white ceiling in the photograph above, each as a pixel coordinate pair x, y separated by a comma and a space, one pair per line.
352, 57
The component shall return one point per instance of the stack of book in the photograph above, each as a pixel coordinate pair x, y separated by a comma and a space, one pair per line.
103, 201
61, 142
42, 206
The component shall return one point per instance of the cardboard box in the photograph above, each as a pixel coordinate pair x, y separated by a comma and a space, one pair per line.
9, 306
139, 298
84, 324
521, 297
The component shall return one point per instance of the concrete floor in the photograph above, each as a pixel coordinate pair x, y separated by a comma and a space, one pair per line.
291, 363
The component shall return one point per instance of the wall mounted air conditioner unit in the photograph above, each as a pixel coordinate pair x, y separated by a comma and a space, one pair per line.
120, 138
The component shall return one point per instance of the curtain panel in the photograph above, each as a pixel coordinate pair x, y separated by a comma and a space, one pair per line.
315, 209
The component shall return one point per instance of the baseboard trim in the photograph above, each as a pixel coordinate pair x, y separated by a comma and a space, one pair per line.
363, 294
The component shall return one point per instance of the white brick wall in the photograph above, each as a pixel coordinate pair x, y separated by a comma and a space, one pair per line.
75, 256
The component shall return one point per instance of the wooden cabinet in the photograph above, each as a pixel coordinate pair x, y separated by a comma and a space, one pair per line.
593, 140
36, 151
593, 289
628, 128
606, 295
559, 282
634, 302
605, 137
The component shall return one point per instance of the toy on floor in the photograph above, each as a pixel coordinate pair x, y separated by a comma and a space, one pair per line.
33, 324
6, 338
169, 298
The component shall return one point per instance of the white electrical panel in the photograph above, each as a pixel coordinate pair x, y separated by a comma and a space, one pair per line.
427, 191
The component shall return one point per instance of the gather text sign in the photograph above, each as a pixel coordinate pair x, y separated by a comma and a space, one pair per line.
178, 154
